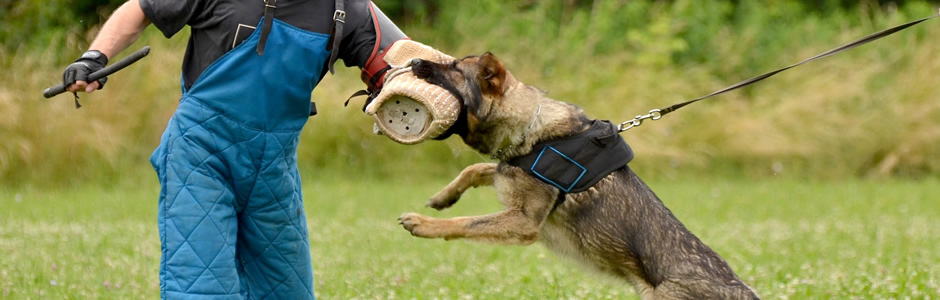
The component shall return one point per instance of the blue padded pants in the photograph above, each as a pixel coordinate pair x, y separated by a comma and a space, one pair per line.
231, 216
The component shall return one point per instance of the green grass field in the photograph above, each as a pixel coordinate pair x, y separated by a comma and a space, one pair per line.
789, 239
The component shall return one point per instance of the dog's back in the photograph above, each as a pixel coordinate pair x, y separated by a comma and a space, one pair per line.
620, 227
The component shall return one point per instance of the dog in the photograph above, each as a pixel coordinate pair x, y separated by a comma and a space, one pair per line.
617, 226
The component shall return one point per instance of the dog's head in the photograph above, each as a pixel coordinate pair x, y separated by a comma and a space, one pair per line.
480, 83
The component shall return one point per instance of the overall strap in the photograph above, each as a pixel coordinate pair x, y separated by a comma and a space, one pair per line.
269, 6
336, 33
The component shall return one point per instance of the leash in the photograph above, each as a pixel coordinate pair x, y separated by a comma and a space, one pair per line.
656, 114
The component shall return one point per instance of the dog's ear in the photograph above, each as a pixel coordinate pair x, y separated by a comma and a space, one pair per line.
492, 74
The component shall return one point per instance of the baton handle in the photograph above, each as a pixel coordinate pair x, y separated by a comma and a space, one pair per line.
130, 59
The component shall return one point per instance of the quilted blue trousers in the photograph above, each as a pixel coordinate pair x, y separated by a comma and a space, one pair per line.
231, 216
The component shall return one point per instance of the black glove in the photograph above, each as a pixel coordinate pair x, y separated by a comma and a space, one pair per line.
91, 61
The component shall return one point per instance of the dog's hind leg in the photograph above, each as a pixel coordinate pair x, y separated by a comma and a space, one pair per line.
704, 289
473, 176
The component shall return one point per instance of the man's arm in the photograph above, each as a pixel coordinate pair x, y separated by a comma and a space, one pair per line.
119, 31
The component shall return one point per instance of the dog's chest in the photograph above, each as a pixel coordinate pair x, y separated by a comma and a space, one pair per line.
557, 236
560, 238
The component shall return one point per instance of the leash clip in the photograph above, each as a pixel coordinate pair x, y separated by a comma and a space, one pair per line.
653, 114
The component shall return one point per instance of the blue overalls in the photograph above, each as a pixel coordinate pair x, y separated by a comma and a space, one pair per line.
231, 216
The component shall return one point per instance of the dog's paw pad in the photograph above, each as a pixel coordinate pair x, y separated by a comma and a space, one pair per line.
410, 221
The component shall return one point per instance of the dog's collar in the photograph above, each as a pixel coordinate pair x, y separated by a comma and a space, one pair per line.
575, 163
502, 152
538, 111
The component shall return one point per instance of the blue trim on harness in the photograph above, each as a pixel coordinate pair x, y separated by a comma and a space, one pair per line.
548, 180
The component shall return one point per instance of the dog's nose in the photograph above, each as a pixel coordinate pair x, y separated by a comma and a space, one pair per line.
420, 68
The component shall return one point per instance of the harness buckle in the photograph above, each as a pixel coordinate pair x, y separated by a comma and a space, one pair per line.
339, 16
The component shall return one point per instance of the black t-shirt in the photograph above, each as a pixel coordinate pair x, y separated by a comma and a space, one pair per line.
219, 25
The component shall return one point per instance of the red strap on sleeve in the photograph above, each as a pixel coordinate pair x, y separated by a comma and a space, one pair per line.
373, 73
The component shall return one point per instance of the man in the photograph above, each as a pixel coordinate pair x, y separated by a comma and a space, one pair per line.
231, 217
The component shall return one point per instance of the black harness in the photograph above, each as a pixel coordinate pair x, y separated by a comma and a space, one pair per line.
577, 162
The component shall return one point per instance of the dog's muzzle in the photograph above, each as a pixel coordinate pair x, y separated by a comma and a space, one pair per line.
408, 109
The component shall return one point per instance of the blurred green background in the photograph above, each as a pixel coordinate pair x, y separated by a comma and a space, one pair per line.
869, 112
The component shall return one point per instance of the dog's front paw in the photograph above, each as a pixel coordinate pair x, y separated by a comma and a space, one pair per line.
413, 223
442, 200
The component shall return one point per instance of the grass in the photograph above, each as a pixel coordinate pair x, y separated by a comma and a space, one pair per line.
789, 239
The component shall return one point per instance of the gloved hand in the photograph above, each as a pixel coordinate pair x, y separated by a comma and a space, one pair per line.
91, 61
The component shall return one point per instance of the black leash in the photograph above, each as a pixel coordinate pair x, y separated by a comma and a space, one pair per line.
656, 114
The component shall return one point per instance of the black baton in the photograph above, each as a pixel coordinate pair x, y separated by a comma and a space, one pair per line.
130, 59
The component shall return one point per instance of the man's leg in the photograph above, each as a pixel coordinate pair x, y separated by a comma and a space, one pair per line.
272, 242
197, 221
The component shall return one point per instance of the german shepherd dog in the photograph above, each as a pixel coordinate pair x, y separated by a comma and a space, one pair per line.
618, 226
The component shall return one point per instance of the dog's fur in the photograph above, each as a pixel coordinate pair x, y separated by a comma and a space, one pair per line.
618, 226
